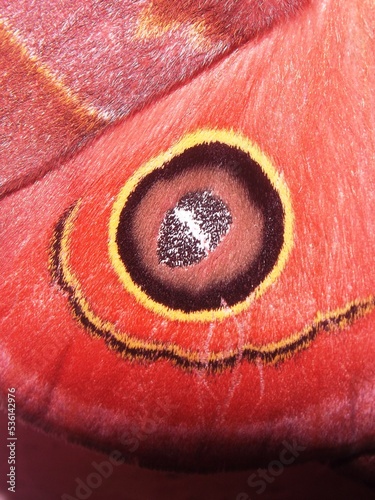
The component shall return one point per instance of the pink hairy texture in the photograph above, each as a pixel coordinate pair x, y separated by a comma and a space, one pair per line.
119, 55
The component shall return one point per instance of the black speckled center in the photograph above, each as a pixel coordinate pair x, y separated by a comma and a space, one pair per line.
192, 229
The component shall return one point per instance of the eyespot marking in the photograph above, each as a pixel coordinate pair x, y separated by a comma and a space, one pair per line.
259, 241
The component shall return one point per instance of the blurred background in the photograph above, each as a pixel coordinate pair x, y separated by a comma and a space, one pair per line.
48, 468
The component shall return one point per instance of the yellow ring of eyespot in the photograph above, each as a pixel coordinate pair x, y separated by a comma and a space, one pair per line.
205, 136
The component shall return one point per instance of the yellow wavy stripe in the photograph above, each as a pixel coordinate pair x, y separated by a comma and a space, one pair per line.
66, 95
269, 353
